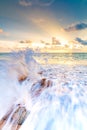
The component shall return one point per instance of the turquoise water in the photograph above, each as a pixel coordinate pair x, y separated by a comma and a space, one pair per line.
54, 58
77, 56
64, 58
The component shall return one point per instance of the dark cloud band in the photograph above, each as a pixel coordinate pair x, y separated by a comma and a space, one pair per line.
76, 27
83, 42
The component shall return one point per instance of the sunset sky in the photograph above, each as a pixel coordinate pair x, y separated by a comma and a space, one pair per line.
42, 19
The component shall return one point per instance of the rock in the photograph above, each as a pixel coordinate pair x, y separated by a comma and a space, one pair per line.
17, 118
5, 118
41, 72
19, 115
44, 83
22, 78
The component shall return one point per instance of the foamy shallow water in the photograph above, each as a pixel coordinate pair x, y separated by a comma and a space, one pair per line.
62, 105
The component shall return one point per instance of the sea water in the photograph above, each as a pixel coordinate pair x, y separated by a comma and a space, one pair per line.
61, 106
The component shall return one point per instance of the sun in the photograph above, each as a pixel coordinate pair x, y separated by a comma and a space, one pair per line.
62, 41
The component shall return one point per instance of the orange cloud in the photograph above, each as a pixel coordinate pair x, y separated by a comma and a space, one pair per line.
1, 30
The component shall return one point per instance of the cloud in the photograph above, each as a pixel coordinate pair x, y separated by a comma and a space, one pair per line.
45, 2
25, 41
36, 2
83, 42
25, 3
38, 20
76, 27
1, 31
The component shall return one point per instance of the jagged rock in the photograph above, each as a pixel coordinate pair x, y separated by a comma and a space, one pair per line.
19, 115
22, 78
5, 118
17, 118
44, 83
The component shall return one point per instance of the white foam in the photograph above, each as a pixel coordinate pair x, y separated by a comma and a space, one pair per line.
60, 106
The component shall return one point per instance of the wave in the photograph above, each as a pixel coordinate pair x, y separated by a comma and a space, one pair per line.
41, 97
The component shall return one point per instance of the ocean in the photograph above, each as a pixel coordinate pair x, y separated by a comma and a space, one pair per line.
64, 58
55, 58
43, 91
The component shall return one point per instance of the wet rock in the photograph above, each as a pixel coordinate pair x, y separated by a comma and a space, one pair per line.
41, 86
22, 78
41, 72
5, 118
17, 117
45, 83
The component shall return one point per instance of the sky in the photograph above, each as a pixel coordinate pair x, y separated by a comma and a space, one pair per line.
43, 19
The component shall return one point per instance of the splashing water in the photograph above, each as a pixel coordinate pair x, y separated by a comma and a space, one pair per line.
39, 97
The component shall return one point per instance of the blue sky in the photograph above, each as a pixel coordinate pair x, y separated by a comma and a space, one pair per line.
42, 19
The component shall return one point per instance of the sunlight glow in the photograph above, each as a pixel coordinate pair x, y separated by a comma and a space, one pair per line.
39, 45
62, 41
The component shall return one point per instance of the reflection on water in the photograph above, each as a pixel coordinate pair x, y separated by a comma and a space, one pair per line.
61, 58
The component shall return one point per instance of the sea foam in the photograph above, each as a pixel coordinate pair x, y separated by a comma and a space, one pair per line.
50, 97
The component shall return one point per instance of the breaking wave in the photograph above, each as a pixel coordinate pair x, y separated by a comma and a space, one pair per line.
41, 97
